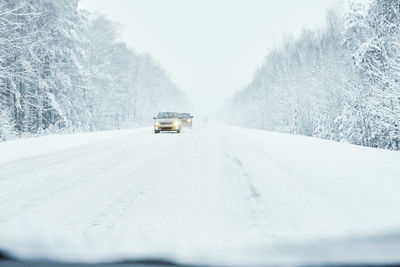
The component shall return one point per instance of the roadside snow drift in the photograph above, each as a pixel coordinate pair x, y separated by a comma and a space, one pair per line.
212, 195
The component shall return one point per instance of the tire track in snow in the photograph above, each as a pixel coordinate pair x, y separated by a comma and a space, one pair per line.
44, 163
257, 215
300, 196
134, 185
23, 166
42, 193
129, 192
171, 201
52, 177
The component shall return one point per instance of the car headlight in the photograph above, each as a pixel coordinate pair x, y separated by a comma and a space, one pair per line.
176, 123
157, 123
189, 120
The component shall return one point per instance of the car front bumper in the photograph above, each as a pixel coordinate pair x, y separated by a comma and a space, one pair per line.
167, 128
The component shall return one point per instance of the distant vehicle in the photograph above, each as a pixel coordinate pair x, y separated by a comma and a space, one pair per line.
167, 122
186, 119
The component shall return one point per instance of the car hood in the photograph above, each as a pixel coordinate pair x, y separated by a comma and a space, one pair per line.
166, 120
367, 250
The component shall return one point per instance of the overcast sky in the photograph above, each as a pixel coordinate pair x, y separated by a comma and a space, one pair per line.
210, 48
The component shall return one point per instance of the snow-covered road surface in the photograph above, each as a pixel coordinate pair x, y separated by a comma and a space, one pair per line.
214, 194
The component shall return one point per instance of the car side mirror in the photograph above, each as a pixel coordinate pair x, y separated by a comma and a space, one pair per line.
191, 117
154, 118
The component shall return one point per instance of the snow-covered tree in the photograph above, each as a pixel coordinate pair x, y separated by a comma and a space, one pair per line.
340, 82
60, 70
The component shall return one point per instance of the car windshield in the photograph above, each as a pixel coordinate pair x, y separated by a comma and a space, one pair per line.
200, 132
167, 115
184, 115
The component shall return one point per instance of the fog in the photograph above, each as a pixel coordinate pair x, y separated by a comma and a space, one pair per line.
302, 171
210, 49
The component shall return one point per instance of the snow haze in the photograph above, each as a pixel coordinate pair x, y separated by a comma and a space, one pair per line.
303, 170
210, 48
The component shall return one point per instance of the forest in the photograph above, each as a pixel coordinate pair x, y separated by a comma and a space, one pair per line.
339, 82
63, 69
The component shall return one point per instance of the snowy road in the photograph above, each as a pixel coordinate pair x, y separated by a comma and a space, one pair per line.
213, 188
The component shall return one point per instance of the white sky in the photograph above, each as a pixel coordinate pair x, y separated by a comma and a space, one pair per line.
210, 48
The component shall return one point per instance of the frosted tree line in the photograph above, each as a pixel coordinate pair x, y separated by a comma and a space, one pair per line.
341, 82
63, 70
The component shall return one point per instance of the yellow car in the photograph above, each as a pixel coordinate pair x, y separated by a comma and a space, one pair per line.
167, 122
186, 119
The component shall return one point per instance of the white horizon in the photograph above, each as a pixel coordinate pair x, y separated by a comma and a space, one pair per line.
210, 49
